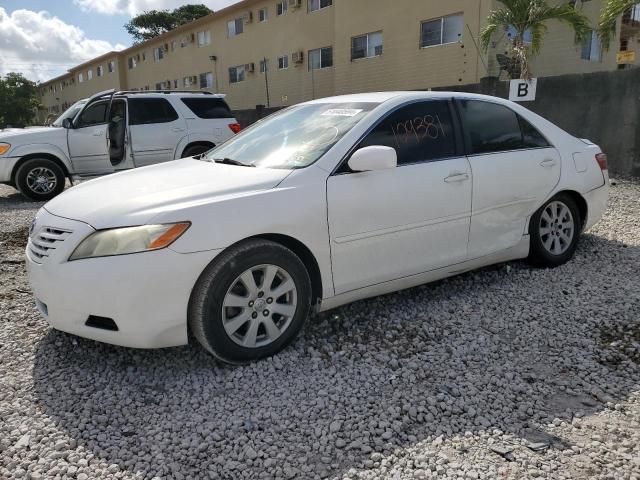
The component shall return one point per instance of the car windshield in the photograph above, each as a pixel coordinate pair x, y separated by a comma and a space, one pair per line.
70, 112
293, 138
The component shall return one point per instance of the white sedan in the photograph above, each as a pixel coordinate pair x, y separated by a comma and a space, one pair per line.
321, 204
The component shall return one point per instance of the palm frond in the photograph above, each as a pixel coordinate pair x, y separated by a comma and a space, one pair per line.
609, 14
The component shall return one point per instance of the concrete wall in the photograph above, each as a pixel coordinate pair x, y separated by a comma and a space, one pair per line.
603, 107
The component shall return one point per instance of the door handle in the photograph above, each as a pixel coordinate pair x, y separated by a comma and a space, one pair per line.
457, 177
97, 133
549, 162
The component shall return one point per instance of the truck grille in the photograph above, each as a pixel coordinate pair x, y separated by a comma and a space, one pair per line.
47, 239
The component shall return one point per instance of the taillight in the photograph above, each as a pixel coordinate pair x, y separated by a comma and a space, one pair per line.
601, 158
235, 127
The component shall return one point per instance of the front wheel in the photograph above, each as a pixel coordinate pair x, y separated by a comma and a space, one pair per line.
554, 231
40, 179
251, 302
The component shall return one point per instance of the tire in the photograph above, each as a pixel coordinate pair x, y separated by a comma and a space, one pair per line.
195, 150
235, 324
40, 179
554, 231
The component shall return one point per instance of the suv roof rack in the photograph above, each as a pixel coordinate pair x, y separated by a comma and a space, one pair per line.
166, 92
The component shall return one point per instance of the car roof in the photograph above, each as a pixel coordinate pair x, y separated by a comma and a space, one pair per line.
382, 97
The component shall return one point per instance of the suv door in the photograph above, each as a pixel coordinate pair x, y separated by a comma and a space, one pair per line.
403, 221
155, 130
87, 140
514, 169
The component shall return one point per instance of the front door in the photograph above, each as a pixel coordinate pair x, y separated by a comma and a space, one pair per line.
388, 224
514, 170
88, 142
119, 146
155, 130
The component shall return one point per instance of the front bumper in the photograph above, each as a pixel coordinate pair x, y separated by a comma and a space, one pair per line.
145, 294
6, 167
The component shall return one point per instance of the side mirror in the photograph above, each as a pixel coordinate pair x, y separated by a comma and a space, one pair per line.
67, 123
375, 157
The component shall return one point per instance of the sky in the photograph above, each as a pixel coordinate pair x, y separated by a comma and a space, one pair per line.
44, 38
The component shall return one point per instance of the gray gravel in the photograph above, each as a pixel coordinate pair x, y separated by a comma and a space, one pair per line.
508, 372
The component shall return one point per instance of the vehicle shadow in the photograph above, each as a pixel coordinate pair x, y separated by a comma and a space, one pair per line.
508, 347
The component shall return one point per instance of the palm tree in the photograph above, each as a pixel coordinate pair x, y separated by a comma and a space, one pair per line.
611, 10
531, 16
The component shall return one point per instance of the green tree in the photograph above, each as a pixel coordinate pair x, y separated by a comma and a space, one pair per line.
152, 23
609, 14
531, 16
18, 100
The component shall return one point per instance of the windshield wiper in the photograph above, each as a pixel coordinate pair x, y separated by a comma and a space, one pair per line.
230, 161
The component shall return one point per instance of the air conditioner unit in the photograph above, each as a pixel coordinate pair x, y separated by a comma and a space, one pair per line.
250, 67
297, 57
248, 17
378, 50
295, 3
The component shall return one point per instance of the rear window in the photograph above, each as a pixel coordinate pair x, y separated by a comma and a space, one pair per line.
207, 107
143, 111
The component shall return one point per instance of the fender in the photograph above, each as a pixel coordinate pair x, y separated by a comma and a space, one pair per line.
183, 142
39, 148
192, 138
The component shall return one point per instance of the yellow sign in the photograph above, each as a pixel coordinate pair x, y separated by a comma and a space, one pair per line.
627, 56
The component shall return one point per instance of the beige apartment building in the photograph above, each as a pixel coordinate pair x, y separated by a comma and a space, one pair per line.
277, 53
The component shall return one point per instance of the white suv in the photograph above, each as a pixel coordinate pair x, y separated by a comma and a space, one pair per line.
113, 131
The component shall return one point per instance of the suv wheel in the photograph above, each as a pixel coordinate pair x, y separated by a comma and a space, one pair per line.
40, 179
195, 150
251, 302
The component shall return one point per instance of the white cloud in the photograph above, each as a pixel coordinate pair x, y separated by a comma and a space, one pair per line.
41, 46
134, 7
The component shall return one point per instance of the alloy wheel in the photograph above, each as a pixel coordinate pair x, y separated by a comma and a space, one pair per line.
41, 180
557, 228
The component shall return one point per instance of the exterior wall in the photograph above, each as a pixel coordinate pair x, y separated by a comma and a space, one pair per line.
402, 65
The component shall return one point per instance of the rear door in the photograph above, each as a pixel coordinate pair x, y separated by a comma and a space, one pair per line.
514, 170
87, 140
208, 118
155, 129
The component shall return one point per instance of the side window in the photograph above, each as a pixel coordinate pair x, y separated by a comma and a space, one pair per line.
208, 107
419, 132
491, 127
143, 111
531, 137
96, 114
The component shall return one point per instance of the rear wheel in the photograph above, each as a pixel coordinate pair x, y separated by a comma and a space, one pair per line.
251, 302
554, 231
40, 179
195, 150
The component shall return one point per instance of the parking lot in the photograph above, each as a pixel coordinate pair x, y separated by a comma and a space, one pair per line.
507, 372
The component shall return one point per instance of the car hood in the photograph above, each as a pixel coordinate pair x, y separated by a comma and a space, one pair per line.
30, 135
137, 196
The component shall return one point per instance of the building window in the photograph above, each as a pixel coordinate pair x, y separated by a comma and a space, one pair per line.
132, 63
283, 62
184, 41
89, 74
158, 54
204, 38
441, 30
100, 70
281, 8
144, 56
591, 48
159, 86
526, 38
187, 82
365, 46
174, 45
235, 27
319, 4
264, 66
80, 77
236, 74
175, 83
320, 58
206, 80
262, 15
111, 66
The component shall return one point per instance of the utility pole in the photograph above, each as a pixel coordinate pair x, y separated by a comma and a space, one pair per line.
266, 78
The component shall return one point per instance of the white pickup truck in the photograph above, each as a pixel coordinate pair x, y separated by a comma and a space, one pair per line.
113, 131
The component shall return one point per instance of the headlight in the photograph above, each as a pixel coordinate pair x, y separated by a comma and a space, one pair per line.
121, 241
4, 148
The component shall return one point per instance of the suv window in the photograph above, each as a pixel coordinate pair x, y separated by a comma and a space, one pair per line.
496, 128
204, 107
419, 132
143, 111
95, 114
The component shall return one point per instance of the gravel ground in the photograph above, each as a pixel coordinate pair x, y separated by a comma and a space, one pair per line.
508, 372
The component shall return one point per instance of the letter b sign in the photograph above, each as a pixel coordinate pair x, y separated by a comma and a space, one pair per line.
523, 90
